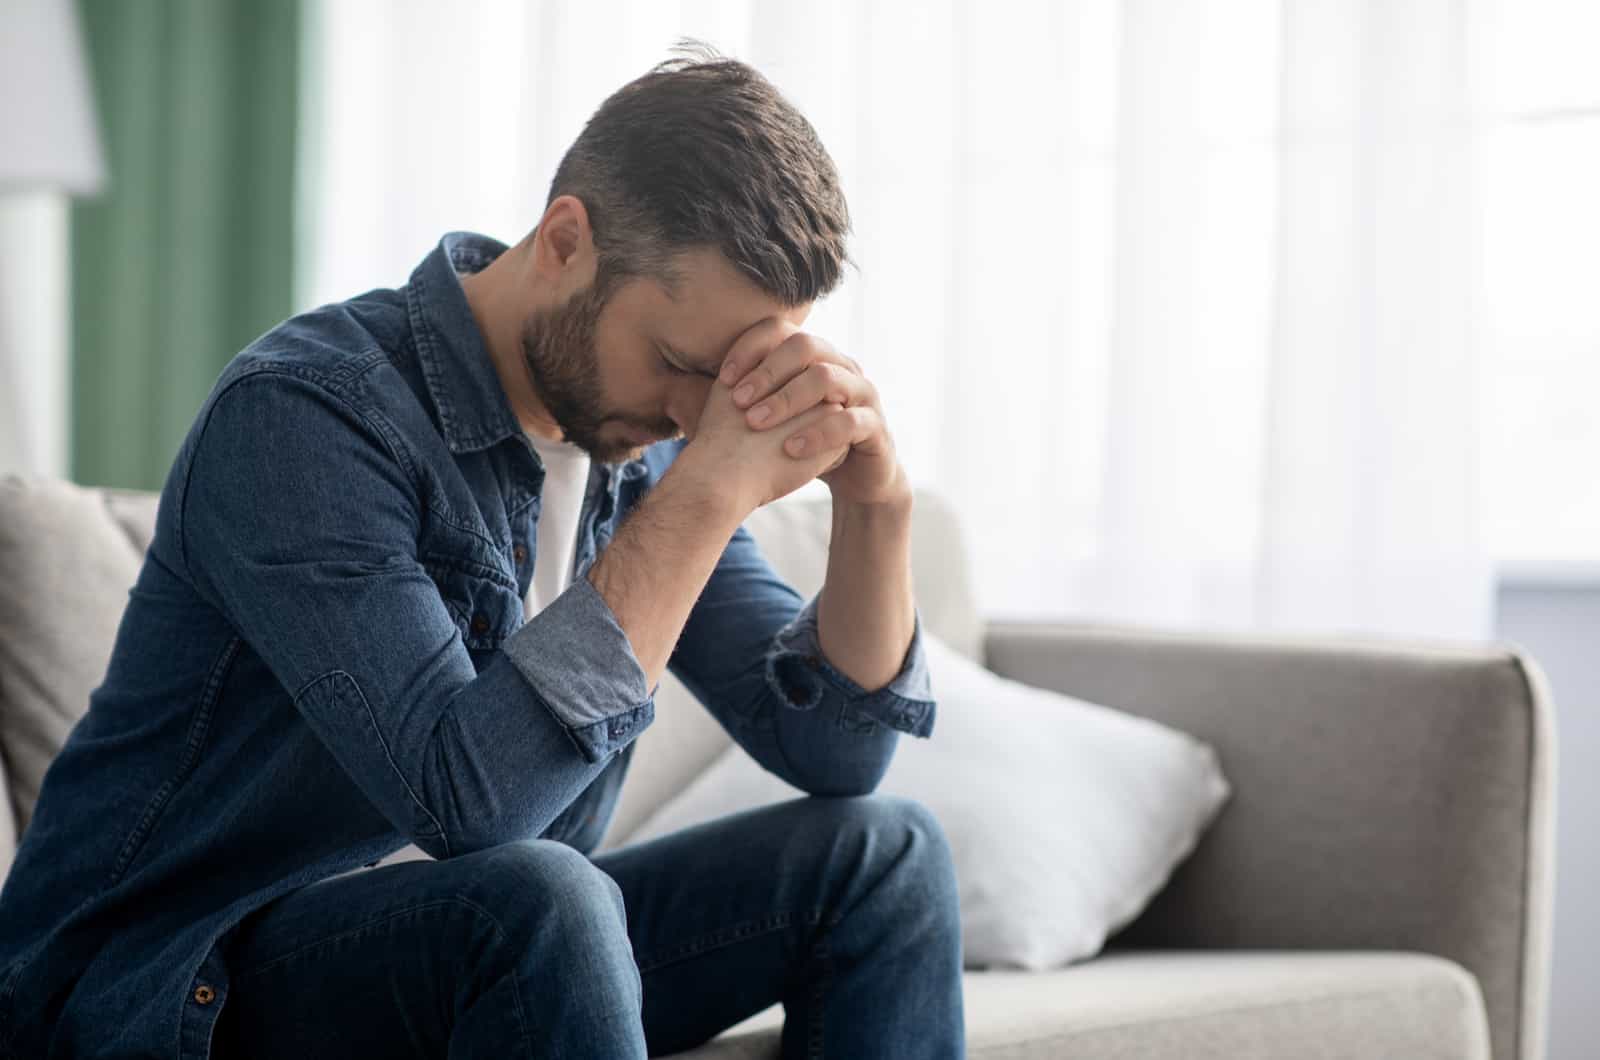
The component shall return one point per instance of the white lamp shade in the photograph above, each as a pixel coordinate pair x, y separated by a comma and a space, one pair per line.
47, 120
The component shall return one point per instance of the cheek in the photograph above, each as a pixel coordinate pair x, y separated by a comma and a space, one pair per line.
630, 383
635, 380
624, 365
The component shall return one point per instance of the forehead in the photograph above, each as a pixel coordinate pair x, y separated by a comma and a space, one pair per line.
712, 304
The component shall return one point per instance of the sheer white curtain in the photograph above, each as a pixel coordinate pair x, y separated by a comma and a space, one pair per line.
1175, 300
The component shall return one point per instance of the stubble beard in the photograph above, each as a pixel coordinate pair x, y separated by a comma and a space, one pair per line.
558, 348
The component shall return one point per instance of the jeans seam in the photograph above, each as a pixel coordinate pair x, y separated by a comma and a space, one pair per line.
522, 1022
717, 940
455, 900
368, 926
819, 989
8, 985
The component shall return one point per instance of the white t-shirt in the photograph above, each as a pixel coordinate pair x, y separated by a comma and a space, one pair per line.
566, 476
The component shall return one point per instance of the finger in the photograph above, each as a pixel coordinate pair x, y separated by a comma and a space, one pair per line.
840, 427
822, 382
752, 345
782, 363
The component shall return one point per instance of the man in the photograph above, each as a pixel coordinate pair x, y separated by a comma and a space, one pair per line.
418, 568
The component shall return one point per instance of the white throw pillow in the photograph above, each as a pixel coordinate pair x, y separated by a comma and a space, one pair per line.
1065, 817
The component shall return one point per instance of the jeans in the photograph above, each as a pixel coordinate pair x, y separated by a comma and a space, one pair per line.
843, 909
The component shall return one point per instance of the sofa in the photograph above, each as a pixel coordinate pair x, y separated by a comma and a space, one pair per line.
1379, 884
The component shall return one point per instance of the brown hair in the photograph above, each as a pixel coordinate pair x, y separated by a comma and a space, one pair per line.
703, 151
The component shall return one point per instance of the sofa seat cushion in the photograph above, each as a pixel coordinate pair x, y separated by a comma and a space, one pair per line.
1193, 1005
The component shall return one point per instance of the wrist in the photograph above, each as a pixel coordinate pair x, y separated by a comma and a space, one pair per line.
710, 495
893, 503
884, 523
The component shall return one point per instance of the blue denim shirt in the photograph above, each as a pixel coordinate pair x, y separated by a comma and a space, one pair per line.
325, 657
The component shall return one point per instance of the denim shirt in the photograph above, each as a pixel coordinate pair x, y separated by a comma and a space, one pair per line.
325, 657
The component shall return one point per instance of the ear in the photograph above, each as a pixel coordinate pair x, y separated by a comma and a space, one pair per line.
563, 244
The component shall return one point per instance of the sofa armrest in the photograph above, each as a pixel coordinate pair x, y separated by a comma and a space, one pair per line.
1385, 795
8, 822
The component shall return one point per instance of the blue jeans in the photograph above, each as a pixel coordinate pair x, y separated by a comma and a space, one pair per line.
843, 909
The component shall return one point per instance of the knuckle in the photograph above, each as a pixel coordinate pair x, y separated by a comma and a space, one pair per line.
791, 350
819, 376
840, 383
803, 343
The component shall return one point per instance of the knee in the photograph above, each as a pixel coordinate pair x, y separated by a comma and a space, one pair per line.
904, 835
902, 857
545, 895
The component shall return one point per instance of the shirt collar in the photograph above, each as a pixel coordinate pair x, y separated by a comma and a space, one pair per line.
474, 412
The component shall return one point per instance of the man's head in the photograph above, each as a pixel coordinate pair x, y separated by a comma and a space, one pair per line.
695, 203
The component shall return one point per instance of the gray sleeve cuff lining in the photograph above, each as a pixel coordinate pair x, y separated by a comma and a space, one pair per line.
580, 662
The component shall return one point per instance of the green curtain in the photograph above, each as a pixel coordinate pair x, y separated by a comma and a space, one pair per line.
189, 253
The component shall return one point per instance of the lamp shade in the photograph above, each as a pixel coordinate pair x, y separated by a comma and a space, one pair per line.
47, 122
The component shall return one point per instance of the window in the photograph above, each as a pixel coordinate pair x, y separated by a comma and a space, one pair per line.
1541, 247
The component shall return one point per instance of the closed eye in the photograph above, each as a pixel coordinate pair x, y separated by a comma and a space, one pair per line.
673, 368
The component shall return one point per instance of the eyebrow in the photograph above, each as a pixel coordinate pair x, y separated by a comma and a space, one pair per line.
691, 363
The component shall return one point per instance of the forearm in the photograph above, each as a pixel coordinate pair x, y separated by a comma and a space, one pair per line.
865, 612
660, 559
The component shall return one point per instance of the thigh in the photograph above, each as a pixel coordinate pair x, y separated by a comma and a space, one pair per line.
367, 964
723, 917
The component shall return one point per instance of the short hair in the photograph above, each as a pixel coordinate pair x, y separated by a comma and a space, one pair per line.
703, 151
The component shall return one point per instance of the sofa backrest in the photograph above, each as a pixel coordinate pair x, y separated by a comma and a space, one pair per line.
70, 554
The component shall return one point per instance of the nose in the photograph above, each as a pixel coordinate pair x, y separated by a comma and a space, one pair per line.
686, 401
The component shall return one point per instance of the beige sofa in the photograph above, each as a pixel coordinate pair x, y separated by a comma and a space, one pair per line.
1379, 885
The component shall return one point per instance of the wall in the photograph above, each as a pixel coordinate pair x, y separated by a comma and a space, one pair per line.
1558, 622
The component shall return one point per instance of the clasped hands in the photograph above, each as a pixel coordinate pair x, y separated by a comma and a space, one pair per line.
782, 378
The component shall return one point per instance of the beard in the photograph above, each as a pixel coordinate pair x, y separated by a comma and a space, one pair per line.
558, 347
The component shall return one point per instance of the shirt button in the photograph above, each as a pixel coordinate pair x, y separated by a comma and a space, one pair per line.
480, 624
520, 553
204, 995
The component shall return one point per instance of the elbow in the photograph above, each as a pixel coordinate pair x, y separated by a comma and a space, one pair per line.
482, 787
844, 787
433, 844
458, 834
461, 805
827, 760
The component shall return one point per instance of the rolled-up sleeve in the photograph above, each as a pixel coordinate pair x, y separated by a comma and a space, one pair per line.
300, 522
750, 653
580, 661
799, 672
